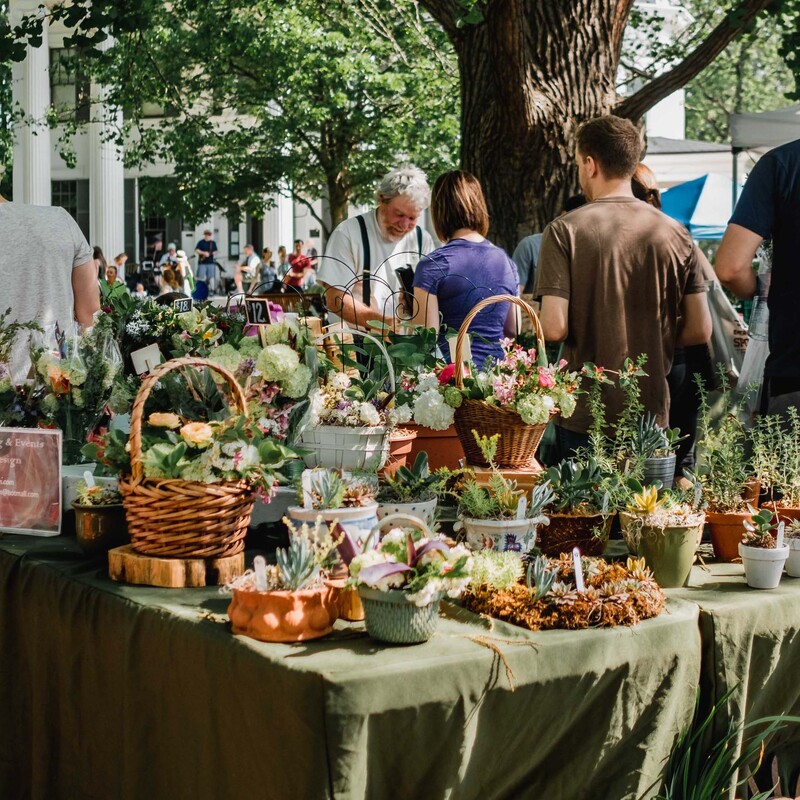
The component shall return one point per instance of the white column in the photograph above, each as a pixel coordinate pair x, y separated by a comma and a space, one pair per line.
106, 176
31, 89
279, 224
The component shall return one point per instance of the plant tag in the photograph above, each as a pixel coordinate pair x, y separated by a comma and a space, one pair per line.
522, 507
88, 479
466, 352
183, 305
257, 309
146, 359
260, 567
576, 561
779, 542
307, 483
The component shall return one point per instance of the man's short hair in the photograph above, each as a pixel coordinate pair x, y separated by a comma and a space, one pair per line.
207, 233
614, 143
408, 181
458, 202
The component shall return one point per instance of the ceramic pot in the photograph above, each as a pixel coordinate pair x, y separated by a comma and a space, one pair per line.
514, 535
763, 567
283, 616
401, 440
392, 617
348, 601
660, 468
726, 532
793, 561
424, 509
340, 447
588, 532
71, 475
358, 522
443, 447
100, 528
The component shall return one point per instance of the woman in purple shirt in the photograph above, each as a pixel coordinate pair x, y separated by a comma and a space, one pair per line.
450, 281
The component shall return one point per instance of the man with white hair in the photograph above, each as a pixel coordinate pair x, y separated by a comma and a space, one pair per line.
363, 252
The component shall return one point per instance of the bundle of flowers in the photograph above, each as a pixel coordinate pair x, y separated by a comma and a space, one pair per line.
97, 494
347, 400
427, 398
15, 405
547, 596
205, 452
426, 568
519, 382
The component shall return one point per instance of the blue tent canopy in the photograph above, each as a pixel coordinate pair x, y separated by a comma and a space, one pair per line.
703, 205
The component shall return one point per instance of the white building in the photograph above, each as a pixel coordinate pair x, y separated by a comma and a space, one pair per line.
96, 189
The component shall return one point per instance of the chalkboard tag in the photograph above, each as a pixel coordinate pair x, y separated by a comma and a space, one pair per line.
258, 312
182, 305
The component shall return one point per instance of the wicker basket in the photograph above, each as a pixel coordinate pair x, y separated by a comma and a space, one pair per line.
181, 518
518, 442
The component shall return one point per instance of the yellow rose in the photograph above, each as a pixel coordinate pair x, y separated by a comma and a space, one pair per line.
158, 420
197, 433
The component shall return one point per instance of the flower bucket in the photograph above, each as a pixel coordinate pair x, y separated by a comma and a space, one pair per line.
661, 468
358, 521
281, 616
423, 509
392, 617
726, 532
100, 528
588, 532
512, 535
443, 447
339, 447
763, 567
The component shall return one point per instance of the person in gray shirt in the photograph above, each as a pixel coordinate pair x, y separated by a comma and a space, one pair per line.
47, 272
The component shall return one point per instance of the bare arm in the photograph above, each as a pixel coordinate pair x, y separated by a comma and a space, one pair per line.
351, 310
554, 317
734, 263
85, 293
695, 320
511, 325
426, 309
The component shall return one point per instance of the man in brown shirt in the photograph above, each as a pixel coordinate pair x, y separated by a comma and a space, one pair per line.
618, 278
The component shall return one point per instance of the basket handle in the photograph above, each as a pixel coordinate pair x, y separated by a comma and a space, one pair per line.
378, 342
407, 519
135, 438
458, 359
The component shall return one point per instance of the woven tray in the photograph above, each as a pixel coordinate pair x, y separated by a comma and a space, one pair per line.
183, 518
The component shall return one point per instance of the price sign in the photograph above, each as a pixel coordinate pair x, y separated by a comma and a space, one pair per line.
258, 312
30, 481
182, 305
146, 359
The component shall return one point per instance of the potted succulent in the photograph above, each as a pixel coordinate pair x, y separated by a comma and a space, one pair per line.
655, 446
776, 460
332, 496
291, 600
499, 516
579, 511
763, 555
664, 530
99, 518
411, 490
402, 581
724, 471
792, 539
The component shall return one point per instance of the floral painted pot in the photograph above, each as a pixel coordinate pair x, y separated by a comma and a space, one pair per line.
512, 535
392, 617
763, 567
100, 528
424, 509
358, 522
340, 447
284, 616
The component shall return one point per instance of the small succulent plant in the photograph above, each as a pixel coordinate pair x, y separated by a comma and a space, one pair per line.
540, 577
758, 529
297, 564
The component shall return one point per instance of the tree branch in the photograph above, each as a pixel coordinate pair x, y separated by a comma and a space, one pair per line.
736, 20
445, 12
300, 199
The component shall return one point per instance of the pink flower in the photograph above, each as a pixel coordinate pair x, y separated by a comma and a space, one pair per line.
546, 378
507, 343
562, 363
505, 388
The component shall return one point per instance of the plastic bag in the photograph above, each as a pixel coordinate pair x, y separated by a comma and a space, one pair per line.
729, 336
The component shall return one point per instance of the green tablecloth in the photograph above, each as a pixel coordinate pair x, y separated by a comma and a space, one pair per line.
134, 693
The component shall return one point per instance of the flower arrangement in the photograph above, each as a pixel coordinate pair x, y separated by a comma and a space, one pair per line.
15, 407
97, 495
349, 401
423, 567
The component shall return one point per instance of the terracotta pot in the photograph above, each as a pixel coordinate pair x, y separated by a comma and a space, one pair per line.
284, 616
100, 528
726, 532
443, 447
566, 531
752, 492
348, 601
401, 440
785, 513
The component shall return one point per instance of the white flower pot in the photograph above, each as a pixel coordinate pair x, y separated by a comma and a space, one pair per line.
275, 510
72, 475
793, 562
516, 535
423, 509
763, 567
339, 447
358, 522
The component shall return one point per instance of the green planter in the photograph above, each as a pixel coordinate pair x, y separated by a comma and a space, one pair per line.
392, 617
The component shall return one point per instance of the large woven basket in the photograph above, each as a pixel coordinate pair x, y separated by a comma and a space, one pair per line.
178, 518
518, 442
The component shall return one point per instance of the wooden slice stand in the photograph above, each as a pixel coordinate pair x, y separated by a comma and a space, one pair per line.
526, 478
125, 564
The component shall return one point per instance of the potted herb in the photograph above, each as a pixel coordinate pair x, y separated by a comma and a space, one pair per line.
776, 460
402, 581
724, 471
763, 555
289, 601
665, 531
99, 518
411, 490
579, 511
499, 516
333, 496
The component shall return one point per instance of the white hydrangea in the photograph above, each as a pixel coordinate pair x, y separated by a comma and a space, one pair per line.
368, 559
431, 411
277, 362
428, 594
315, 406
395, 536
368, 414
248, 457
533, 409
566, 403
426, 382
395, 581
296, 385
401, 414
339, 380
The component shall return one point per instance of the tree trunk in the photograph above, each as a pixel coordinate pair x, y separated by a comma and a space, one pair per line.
338, 199
530, 74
